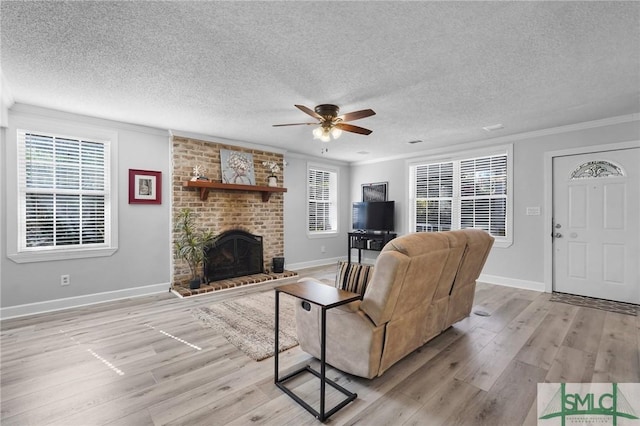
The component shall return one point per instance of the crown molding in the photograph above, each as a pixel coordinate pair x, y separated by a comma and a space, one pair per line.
27, 110
511, 138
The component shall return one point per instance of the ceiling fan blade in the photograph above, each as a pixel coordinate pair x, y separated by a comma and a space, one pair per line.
356, 115
309, 111
354, 129
295, 124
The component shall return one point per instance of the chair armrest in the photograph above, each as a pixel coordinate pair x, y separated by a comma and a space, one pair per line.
350, 307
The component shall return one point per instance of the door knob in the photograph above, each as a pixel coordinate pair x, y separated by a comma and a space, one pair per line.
557, 235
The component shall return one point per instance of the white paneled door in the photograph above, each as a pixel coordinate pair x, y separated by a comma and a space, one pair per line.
596, 231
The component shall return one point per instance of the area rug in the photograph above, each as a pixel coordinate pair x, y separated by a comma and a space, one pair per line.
590, 302
248, 322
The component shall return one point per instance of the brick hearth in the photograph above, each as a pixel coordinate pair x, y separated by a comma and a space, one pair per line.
184, 291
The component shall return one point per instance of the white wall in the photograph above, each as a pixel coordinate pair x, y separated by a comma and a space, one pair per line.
521, 264
142, 263
300, 250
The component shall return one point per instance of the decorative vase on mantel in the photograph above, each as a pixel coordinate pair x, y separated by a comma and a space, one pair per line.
272, 181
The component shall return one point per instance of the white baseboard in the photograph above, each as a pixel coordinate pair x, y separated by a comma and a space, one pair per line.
314, 263
512, 282
90, 299
77, 301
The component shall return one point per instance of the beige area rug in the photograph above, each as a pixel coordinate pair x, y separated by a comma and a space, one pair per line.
248, 322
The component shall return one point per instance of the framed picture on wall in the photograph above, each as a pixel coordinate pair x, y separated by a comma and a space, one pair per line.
374, 191
237, 167
145, 187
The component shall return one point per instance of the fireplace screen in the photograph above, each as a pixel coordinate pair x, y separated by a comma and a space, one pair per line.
234, 253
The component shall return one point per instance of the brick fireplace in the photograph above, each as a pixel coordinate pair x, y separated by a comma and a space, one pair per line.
226, 210
234, 253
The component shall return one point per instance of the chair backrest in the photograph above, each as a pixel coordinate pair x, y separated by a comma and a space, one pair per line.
417, 268
406, 274
479, 245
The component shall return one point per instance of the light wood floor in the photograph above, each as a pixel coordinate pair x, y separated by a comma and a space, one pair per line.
136, 362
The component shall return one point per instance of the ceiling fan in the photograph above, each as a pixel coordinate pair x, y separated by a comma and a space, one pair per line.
332, 124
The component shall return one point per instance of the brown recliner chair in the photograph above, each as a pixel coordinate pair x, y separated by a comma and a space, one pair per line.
422, 283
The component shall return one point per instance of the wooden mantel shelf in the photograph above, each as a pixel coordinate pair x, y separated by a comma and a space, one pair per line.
205, 186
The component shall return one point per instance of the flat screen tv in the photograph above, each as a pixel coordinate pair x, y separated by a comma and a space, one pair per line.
373, 215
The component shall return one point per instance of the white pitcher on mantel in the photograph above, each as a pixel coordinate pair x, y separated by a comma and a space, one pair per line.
272, 181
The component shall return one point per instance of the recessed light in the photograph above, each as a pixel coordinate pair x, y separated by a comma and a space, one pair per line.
415, 142
363, 152
493, 127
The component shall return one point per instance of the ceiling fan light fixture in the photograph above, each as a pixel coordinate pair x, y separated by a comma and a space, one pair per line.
331, 124
326, 132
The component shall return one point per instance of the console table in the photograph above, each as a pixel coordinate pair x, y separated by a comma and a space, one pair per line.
326, 297
367, 241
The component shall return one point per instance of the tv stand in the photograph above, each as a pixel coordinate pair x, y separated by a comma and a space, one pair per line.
367, 240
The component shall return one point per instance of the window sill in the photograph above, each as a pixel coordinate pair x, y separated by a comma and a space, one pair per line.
48, 256
502, 244
327, 234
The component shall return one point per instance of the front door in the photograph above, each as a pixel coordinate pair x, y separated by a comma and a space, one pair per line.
596, 231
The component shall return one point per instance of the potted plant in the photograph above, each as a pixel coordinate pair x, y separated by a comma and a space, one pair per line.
190, 245
273, 168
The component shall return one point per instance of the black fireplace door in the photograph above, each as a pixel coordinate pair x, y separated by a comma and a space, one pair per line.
234, 253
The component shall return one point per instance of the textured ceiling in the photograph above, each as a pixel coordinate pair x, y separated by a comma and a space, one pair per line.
434, 71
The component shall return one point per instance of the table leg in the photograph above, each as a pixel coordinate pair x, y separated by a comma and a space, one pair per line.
323, 365
277, 327
321, 415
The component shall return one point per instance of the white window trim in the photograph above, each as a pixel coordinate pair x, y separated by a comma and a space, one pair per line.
49, 125
326, 168
502, 242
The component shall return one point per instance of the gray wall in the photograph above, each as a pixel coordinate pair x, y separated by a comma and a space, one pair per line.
142, 262
143, 257
524, 260
299, 249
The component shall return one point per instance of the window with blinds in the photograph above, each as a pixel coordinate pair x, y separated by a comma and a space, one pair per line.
63, 192
434, 197
322, 211
458, 194
483, 194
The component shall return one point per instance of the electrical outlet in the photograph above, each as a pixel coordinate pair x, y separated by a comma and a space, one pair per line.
533, 211
65, 280
323, 249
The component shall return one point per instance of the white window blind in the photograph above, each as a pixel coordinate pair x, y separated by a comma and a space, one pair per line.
63, 192
483, 194
434, 196
466, 193
321, 205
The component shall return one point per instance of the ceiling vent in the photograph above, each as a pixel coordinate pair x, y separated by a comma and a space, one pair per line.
493, 127
415, 142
